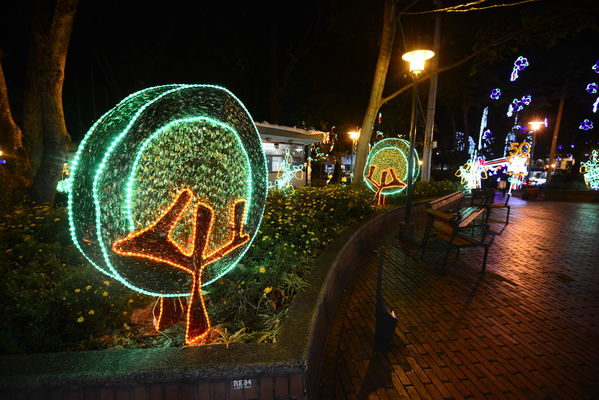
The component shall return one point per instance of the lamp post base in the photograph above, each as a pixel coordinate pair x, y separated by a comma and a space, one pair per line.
406, 231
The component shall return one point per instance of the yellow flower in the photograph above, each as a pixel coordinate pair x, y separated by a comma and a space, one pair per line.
267, 290
80, 319
104, 294
107, 283
88, 287
262, 270
77, 290
91, 312
56, 219
130, 300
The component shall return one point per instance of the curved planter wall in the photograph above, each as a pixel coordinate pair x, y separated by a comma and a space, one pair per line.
289, 369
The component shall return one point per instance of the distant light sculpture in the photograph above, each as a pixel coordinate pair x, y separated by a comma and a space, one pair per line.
519, 65
596, 67
586, 125
495, 94
386, 170
590, 171
592, 88
288, 172
471, 173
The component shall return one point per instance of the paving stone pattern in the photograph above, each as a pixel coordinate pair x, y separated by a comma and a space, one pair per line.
526, 329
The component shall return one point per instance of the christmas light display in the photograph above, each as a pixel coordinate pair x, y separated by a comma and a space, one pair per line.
386, 170
460, 141
288, 172
590, 171
471, 146
495, 94
519, 65
167, 191
471, 173
517, 105
517, 163
586, 125
596, 67
595, 105
592, 88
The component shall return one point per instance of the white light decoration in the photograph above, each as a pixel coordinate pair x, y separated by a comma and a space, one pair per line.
590, 171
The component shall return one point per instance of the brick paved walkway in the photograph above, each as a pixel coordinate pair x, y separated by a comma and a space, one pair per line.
527, 329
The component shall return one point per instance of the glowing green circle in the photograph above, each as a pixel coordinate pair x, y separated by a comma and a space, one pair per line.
390, 153
136, 158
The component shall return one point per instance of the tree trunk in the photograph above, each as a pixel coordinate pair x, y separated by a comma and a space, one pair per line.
427, 152
51, 78
380, 75
15, 173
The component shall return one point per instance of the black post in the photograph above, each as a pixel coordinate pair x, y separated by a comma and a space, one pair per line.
410, 188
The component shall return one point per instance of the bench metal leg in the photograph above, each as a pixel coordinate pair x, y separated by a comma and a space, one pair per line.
443, 267
427, 232
507, 218
485, 259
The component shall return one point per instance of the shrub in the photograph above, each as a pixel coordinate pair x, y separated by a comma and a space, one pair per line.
53, 300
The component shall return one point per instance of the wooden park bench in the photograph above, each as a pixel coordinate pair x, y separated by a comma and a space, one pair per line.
460, 211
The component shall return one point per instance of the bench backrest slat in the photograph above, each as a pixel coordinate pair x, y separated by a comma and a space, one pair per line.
445, 200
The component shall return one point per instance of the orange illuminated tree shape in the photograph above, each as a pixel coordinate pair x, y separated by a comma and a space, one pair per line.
155, 243
384, 183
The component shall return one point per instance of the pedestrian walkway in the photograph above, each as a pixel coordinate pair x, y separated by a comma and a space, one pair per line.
526, 329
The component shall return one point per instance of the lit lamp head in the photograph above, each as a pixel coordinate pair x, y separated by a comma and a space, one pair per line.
417, 59
536, 125
354, 135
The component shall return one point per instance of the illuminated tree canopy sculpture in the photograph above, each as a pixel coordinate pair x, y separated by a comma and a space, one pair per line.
386, 170
590, 171
167, 191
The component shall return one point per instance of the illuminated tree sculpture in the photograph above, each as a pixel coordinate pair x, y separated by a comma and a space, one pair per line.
590, 171
386, 171
167, 191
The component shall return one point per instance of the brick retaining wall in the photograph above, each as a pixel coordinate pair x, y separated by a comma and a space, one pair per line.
289, 369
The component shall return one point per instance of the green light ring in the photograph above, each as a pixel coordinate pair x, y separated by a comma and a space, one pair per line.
394, 144
95, 194
260, 175
131, 180
74, 169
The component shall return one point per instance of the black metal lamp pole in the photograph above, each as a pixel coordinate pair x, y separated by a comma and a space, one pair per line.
412, 138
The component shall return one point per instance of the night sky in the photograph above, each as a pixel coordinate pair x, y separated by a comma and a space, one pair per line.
310, 63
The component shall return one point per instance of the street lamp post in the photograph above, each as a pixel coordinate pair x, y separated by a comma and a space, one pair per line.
534, 127
416, 59
354, 136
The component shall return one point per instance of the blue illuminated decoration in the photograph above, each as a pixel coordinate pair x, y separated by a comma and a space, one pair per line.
596, 67
519, 65
495, 94
586, 125
592, 88
517, 105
